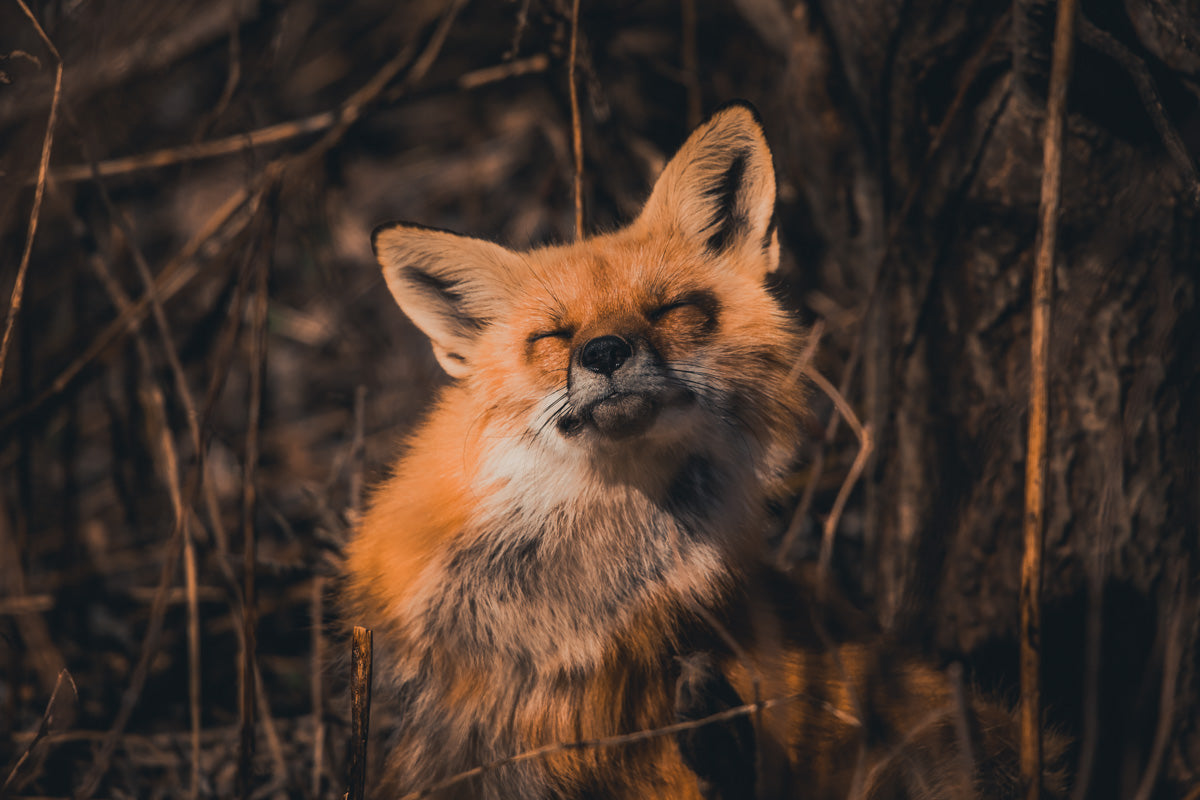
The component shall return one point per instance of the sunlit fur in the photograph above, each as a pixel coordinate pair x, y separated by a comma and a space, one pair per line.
533, 569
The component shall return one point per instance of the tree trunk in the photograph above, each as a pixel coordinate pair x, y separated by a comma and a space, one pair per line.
927, 182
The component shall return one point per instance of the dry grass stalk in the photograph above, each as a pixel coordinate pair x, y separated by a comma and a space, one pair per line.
18, 290
258, 355
59, 714
865, 447
361, 656
1039, 401
576, 131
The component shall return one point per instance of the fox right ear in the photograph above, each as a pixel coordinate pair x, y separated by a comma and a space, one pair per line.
450, 286
719, 190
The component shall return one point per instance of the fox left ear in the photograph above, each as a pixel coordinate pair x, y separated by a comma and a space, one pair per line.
719, 189
450, 286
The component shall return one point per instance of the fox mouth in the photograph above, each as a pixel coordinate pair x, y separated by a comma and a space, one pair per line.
619, 415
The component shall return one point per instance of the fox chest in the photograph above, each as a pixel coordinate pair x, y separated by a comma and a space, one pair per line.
555, 585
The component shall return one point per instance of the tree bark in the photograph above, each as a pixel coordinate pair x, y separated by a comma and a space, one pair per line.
945, 222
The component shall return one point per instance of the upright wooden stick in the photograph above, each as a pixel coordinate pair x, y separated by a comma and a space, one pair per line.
1039, 401
360, 712
576, 124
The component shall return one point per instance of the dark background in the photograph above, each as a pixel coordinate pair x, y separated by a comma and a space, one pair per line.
908, 144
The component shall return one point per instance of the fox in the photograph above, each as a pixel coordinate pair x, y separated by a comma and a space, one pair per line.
570, 551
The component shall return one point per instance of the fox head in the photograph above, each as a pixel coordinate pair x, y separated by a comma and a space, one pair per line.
648, 338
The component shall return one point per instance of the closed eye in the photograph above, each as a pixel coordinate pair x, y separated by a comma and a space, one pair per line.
558, 333
660, 312
704, 302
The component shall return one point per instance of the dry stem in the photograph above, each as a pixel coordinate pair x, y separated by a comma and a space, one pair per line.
1039, 401
360, 710
18, 290
258, 354
576, 132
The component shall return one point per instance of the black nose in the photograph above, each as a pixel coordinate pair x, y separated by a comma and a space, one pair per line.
605, 354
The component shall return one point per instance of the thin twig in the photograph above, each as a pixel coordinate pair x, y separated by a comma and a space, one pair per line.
618, 740
228, 145
865, 447
1039, 401
273, 134
258, 352
59, 714
1108, 44
233, 76
576, 132
18, 290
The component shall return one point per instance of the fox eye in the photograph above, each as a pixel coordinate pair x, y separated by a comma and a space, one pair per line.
558, 333
701, 304
656, 314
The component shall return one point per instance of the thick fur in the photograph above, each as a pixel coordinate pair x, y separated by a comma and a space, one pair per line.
588, 496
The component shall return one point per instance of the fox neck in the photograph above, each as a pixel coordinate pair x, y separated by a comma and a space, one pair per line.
565, 551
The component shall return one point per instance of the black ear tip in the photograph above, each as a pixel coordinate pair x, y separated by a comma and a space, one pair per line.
737, 103
379, 229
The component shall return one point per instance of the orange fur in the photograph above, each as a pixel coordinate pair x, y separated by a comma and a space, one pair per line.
590, 493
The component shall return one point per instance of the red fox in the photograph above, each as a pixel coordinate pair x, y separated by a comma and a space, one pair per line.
571, 546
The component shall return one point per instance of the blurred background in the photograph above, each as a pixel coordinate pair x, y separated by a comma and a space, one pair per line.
206, 371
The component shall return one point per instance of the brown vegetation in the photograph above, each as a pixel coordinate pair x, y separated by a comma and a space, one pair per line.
205, 369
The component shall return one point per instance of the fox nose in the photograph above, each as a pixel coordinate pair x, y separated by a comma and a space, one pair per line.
605, 354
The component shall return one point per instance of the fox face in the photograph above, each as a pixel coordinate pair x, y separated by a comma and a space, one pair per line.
627, 345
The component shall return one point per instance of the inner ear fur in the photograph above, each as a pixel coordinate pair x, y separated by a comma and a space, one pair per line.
450, 286
719, 189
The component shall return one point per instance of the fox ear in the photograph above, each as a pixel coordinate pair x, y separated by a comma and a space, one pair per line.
450, 286
719, 189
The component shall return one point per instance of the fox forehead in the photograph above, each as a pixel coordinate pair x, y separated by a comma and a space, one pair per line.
612, 277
